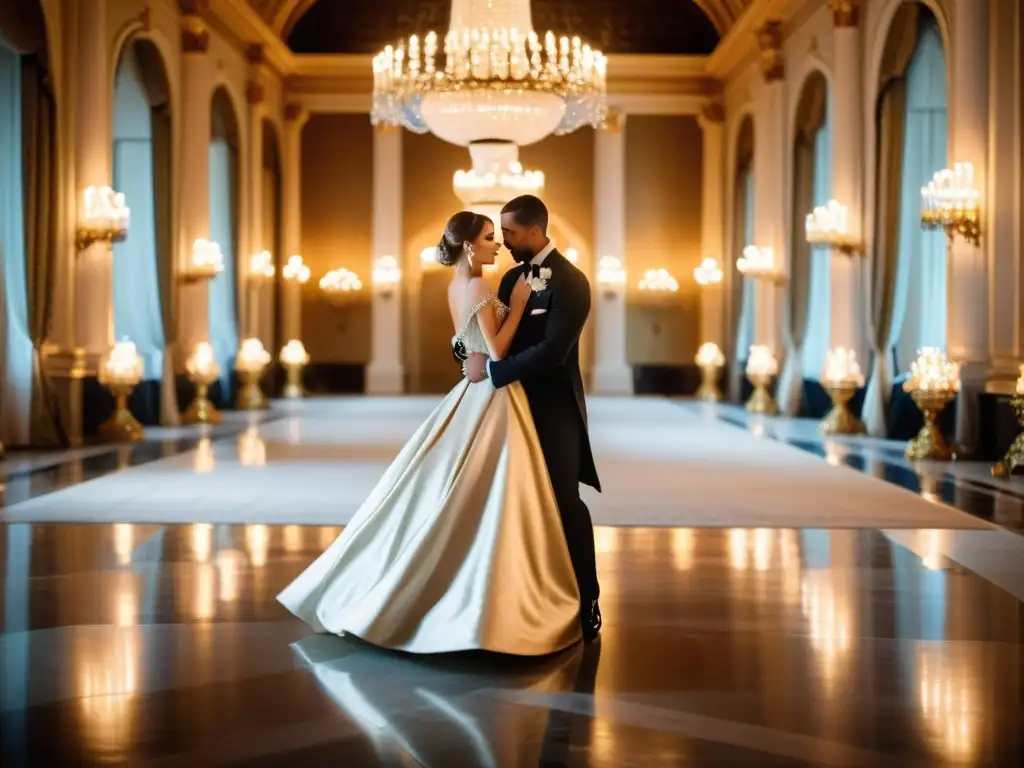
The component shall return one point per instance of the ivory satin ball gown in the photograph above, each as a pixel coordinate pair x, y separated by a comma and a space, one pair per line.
460, 545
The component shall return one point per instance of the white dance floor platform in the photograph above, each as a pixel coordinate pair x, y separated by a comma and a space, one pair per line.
661, 465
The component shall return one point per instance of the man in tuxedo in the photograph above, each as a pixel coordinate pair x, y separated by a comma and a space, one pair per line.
544, 356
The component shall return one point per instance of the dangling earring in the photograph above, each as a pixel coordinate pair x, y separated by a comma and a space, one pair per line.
469, 255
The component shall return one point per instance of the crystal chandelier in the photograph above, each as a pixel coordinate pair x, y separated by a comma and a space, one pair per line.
490, 78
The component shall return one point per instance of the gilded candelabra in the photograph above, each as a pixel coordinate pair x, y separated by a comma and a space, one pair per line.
202, 370
294, 358
120, 372
710, 360
950, 202
761, 369
1015, 455
933, 384
841, 378
252, 362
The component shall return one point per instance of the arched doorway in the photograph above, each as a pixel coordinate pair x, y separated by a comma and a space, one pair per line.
741, 290
29, 219
908, 265
224, 228
143, 263
808, 318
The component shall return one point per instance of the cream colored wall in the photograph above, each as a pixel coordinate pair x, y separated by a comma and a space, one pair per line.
663, 231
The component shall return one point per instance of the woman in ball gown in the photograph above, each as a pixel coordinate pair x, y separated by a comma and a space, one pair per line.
460, 545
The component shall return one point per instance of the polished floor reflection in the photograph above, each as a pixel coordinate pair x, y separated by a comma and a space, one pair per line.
162, 645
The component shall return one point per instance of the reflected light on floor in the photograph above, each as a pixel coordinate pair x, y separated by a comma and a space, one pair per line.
751, 547
204, 459
229, 563
947, 700
205, 592
257, 542
682, 548
124, 542
327, 536
292, 538
930, 488
202, 541
107, 671
834, 453
126, 604
932, 549
829, 622
252, 451
606, 539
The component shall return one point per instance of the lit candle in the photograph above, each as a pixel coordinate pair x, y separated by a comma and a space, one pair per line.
296, 270
761, 361
709, 355
202, 363
122, 365
931, 371
294, 353
251, 355
841, 367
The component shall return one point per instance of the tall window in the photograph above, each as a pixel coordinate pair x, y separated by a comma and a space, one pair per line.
921, 278
223, 160
745, 330
137, 309
817, 340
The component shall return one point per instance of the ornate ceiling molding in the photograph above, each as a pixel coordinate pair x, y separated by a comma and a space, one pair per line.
281, 15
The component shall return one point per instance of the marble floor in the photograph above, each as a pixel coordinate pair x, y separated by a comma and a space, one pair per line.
145, 643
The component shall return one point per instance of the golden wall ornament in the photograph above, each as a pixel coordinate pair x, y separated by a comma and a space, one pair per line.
845, 13
1015, 455
769, 41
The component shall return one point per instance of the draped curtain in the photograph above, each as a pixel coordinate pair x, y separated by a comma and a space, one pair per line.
742, 290
808, 167
160, 122
921, 285
223, 290
883, 256
16, 352
41, 189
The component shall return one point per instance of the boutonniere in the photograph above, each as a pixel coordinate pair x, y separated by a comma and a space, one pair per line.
540, 282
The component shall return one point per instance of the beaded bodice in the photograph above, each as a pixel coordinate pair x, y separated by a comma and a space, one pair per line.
471, 336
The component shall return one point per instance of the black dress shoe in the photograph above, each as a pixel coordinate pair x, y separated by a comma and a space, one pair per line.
590, 619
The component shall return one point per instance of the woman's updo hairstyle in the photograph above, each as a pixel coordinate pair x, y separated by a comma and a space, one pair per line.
464, 227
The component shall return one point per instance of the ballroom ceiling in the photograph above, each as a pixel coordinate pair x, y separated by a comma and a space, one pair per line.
636, 26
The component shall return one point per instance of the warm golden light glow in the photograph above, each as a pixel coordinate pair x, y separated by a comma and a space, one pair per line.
202, 364
757, 262
202, 541
124, 542
386, 274
842, 369
261, 266
107, 669
931, 371
257, 542
204, 459
708, 272
682, 548
296, 270
761, 361
340, 281
121, 366
611, 275
948, 701
252, 450
658, 281
292, 538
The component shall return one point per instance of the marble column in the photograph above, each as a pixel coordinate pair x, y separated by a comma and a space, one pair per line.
295, 118
712, 230
1004, 199
769, 185
94, 266
612, 374
385, 375
846, 272
257, 291
194, 200
967, 334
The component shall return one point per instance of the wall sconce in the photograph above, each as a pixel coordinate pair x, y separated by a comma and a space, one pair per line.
296, 270
708, 272
951, 202
386, 275
829, 225
340, 284
261, 266
611, 276
658, 281
572, 255
104, 217
428, 260
758, 263
207, 262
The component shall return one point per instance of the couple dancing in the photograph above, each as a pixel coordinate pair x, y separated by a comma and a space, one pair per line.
476, 536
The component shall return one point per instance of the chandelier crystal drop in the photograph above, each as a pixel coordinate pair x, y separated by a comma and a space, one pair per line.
491, 77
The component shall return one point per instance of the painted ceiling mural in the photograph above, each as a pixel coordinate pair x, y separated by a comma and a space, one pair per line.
647, 26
